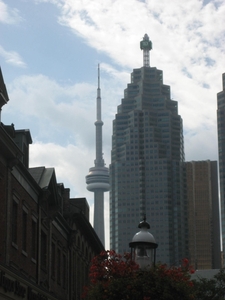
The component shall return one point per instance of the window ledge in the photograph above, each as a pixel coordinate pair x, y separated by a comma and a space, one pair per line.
24, 253
15, 245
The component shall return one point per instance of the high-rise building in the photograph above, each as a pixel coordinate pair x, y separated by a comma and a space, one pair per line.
221, 145
147, 165
203, 215
98, 177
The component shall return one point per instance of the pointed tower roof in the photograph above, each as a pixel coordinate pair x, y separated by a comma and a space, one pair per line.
3, 92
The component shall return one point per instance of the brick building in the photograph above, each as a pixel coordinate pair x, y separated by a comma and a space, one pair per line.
46, 240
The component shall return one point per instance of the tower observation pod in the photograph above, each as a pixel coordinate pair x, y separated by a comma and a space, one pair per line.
146, 46
98, 177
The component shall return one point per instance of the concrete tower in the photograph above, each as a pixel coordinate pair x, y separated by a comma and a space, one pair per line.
98, 177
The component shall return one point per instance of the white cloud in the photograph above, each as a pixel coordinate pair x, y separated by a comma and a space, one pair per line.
69, 161
179, 30
70, 110
12, 57
9, 15
188, 43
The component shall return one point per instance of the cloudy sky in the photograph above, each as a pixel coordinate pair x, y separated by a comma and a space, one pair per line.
49, 52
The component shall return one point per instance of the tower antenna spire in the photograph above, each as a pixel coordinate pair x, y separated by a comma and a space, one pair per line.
98, 76
98, 110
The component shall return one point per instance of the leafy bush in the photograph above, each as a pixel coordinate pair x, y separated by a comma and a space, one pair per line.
118, 277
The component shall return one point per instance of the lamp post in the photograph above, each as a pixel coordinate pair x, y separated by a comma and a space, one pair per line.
143, 246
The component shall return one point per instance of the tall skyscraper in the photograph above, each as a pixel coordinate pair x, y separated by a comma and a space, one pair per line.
98, 177
203, 215
147, 165
221, 145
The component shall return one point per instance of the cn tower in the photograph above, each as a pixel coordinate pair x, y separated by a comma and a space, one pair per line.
98, 177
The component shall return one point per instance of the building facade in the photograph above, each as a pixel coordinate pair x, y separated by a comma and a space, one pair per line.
203, 215
147, 174
221, 146
46, 240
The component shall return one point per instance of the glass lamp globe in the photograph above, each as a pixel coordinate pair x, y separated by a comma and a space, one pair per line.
143, 246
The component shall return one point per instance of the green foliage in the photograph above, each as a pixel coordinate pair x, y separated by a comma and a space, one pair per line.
211, 289
116, 277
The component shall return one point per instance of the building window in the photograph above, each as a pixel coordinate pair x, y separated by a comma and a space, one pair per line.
34, 240
53, 260
64, 271
14, 222
24, 231
59, 266
43, 251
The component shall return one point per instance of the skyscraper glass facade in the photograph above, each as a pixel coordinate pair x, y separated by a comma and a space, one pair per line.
147, 167
221, 145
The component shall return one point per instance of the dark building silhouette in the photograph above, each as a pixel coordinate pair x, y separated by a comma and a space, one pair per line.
203, 215
147, 165
221, 146
46, 240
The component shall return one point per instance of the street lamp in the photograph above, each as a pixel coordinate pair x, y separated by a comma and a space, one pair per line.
143, 246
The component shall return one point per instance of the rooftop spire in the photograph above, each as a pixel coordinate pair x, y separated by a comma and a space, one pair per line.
99, 161
146, 46
98, 76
